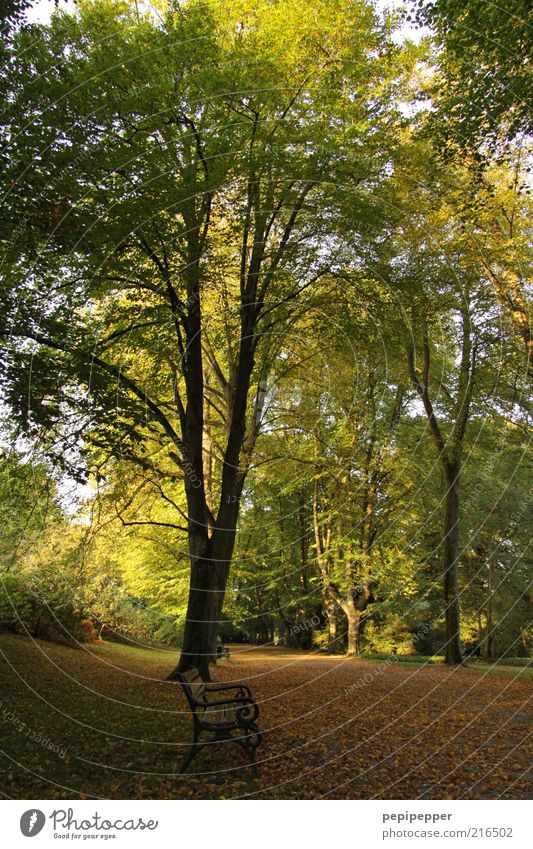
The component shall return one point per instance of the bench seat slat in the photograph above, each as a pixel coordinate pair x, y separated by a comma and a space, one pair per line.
219, 715
196, 684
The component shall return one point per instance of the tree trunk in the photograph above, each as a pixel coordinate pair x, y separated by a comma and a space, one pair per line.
211, 557
210, 562
333, 623
303, 542
480, 635
489, 633
449, 455
353, 616
451, 557
197, 648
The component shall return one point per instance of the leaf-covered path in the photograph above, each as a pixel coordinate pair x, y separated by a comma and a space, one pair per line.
101, 723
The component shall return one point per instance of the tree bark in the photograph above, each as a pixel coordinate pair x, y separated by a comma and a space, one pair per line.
211, 554
452, 615
353, 616
303, 542
489, 633
197, 648
333, 623
210, 565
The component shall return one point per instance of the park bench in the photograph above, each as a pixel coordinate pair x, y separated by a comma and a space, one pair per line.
229, 718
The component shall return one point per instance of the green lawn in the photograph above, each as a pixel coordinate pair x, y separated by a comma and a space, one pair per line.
522, 667
93, 713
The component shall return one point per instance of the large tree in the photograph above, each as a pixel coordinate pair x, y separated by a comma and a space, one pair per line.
170, 178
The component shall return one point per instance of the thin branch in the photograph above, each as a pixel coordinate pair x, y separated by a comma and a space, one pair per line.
422, 390
158, 524
91, 358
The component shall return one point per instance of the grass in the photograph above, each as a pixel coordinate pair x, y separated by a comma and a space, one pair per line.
419, 659
516, 666
94, 705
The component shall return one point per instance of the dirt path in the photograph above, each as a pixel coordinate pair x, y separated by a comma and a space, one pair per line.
341, 728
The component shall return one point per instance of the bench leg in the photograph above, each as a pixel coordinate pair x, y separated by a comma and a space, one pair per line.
193, 751
253, 761
250, 742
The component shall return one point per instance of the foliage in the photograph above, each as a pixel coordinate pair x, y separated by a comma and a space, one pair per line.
251, 310
486, 88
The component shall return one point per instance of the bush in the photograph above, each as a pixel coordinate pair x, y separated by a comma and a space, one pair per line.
390, 636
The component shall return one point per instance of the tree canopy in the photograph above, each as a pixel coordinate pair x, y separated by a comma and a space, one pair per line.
280, 346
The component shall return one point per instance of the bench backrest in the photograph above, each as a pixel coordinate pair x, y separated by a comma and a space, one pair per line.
193, 685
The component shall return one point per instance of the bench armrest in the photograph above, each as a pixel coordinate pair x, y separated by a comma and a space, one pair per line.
246, 710
219, 688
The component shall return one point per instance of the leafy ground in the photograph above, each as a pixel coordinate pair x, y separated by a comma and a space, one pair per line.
334, 727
